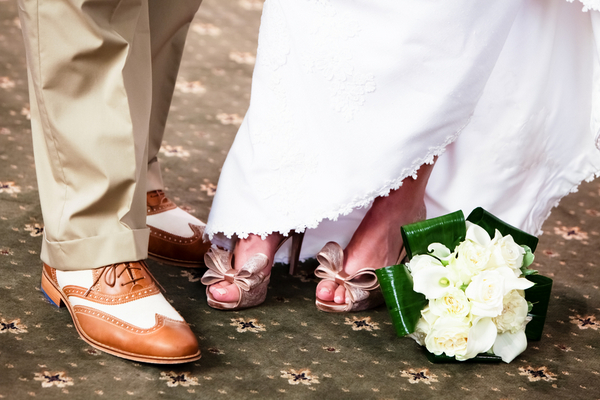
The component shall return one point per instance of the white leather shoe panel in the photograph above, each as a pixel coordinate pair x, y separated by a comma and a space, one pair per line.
174, 221
84, 278
140, 313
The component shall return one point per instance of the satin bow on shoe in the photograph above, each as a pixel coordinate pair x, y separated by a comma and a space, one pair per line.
250, 280
362, 287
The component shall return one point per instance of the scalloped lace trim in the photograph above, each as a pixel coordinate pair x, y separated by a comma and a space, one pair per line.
574, 189
356, 203
589, 5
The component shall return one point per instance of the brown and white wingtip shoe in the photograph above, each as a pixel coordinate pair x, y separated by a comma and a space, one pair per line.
176, 237
120, 310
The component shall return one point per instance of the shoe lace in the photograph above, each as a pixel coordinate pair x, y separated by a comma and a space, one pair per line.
111, 274
162, 197
159, 198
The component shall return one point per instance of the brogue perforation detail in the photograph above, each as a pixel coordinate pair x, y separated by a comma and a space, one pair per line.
178, 239
157, 209
160, 320
107, 332
108, 299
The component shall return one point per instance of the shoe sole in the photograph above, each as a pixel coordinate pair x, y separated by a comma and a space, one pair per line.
59, 299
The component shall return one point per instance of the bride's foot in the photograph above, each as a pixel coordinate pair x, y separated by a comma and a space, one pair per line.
242, 282
376, 244
377, 241
245, 249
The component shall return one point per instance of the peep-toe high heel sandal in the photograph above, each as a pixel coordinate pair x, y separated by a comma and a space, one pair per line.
362, 287
250, 280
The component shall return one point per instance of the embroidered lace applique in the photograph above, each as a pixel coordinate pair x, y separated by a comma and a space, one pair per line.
347, 89
272, 54
274, 39
356, 203
332, 58
279, 131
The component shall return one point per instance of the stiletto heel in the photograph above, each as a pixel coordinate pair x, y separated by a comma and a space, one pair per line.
250, 280
297, 239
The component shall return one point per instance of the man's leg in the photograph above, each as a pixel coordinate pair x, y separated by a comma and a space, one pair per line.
90, 88
175, 235
89, 118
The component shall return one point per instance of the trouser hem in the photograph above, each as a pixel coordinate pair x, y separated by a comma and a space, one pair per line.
97, 251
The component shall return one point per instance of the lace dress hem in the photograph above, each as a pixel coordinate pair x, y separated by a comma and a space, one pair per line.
357, 203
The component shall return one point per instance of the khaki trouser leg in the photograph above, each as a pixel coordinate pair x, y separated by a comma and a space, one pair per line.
90, 91
169, 24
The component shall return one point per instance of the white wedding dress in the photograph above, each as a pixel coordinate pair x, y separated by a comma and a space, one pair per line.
350, 97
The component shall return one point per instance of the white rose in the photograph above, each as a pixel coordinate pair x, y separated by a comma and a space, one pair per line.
486, 292
507, 253
448, 335
454, 303
514, 313
471, 257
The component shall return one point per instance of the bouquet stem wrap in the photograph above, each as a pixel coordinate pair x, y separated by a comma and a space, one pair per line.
405, 305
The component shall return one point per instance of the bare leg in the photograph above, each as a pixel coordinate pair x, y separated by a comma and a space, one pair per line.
377, 241
244, 249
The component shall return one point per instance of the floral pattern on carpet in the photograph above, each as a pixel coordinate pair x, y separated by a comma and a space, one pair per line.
285, 348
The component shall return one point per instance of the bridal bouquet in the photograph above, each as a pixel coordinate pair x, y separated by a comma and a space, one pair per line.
467, 291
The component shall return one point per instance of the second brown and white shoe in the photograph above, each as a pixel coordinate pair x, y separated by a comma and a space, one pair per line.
176, 237
120, 310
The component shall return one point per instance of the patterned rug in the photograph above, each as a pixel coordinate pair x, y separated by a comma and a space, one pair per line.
285, 348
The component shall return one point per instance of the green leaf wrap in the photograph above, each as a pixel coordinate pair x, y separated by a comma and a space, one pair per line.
448, 229
404, 304
479, 358
539, 295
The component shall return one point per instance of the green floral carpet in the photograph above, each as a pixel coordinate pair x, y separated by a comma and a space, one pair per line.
285, 348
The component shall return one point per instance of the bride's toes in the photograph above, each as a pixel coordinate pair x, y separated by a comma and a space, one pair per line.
340, 295
224, 291
326, 290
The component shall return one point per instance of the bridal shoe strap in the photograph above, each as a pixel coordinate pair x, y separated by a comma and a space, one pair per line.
220, 269
331, 257
358, 285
